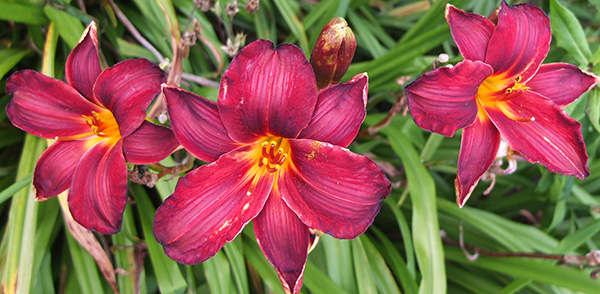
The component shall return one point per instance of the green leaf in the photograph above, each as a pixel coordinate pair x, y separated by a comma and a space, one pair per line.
540, 271
568, 33
340, 268
362, 268
16, 187
84, 266
9, 58
318, 282
365, 37
168, 275
16, 272
17, 12
233, 251
381, 273
512, 235
124, 253
575, 239
425, 228
434, 17
218, 274
389, 67
396, 263
68, 26
592, 108
295, 25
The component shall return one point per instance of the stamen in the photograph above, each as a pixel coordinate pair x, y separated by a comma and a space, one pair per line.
273, 154
517, 86
282, 160
264, 149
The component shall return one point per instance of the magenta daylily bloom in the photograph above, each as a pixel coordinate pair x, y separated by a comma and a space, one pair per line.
277, 150
501, 90
98, 121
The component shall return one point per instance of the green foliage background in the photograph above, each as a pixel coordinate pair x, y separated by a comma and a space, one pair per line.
530, 211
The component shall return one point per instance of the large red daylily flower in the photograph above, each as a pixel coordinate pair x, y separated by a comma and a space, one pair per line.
277, 150
98, 121
501, 90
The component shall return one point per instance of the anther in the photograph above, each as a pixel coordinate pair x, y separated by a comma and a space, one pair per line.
518, 79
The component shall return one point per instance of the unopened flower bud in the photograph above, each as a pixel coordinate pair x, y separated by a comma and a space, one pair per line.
333, 52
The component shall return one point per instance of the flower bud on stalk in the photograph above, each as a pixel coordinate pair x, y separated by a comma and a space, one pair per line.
333, 52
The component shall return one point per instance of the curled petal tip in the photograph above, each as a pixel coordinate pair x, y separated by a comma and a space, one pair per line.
461, 196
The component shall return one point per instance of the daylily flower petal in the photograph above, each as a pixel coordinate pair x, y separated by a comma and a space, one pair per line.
54, 171
149, 144
197, 124
562, 82
520, 42
83, 64
267, 91
470, 31
284, 240
339, 113
443, 101
127, 89
47, 107
475, 157
98, 194
332, 189
211, 205
536, 127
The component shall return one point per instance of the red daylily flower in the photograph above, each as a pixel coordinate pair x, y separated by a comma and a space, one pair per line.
501, 90
98, 121
277, 150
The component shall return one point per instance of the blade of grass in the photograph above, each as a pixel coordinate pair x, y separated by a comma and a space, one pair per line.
514, 236
218, 274
568, 33
16, 187
18, 12
425, 228
124, 253
389, 66
84, 267
68, 26
295, 25
233, 251
405, 231
318, 282
381, 273
396, 263
47, 230
10, 57
362, 268
574, 279
168, 274
340, 268
21, 227
575, 239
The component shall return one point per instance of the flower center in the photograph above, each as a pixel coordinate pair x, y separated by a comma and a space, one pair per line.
496, 88
103, 124
495, 91
274, 152
517, 86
